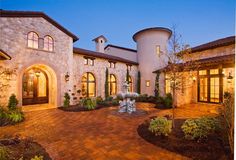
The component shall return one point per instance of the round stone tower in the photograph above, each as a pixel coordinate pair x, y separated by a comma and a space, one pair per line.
151, 49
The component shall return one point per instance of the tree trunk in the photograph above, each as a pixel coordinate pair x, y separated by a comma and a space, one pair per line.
173, 109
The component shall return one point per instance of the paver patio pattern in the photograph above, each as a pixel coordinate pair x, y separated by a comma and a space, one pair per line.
97, 134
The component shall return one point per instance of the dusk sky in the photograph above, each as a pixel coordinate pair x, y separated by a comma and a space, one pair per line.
198, 21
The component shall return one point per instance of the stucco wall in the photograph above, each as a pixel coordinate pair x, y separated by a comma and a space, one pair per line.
14, 41
132, 56
148, 59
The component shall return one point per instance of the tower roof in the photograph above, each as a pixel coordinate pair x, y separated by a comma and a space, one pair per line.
152, 29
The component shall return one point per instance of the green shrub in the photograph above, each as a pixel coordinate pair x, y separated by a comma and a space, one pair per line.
2, 112
199, 128
115, 102
66, 102
37, 158
168, 100
104, 103
12, 102
15, 116
160, 126
3, 153
99, 99
142, 98
109, 98
89, 104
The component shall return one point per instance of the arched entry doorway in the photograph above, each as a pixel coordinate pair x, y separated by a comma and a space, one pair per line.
35, 87
39, 85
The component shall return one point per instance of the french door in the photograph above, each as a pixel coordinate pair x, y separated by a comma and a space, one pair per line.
210, 87
35, 87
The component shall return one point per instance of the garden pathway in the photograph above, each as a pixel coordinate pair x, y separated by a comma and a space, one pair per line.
95, 135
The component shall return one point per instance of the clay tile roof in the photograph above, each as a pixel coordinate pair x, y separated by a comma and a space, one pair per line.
7, 13
102, 55
214, 44
101, 36
4, 55
226, 59
128, 49
152, 29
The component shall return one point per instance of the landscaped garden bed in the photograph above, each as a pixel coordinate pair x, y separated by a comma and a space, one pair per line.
88, 104
11, 114
22, 149
209, 148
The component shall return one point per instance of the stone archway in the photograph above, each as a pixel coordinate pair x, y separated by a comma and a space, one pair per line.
51, 95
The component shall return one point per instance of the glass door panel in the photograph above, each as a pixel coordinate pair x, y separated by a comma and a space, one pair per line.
203, 89
214, 89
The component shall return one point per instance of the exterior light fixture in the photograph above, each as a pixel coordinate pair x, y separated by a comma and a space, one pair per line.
194, 78
229, 78
37, 73
7, 74
67, 77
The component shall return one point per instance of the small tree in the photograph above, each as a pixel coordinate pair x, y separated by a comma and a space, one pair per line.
106, 84
66, 100
177, 65
12, 102
127, 76
157, 94
139, 83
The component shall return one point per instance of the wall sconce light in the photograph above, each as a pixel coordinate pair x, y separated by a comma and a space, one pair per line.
194, 78
67, 77
8, 76
37, 73
229, 78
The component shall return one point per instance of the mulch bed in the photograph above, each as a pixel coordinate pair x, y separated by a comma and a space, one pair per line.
26, 148
210, 149
78, 108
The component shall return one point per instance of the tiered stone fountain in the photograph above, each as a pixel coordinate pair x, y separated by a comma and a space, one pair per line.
127, 104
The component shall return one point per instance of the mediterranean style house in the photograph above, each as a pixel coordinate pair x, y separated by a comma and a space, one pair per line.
39, 64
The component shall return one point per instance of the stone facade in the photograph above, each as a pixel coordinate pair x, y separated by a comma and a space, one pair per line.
98, 70
14, 41
63, 61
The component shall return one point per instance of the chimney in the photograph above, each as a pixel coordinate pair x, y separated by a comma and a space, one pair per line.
100, 42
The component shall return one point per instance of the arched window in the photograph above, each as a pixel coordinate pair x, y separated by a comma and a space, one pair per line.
130, 84
88, 85
112, 85
48, 43
32, 40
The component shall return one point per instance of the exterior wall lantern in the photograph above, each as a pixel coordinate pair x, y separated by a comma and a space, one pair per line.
67, 77
230, 77
37, 73
194, 79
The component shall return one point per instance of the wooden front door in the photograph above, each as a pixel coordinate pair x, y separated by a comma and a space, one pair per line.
35, 87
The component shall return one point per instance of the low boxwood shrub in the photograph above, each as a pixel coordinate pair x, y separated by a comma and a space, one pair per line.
109, 98
99, 99
168, 100
160, 126
3, 153
37, 158
115, 102
200, 128
66, 102
89, 104
12, 102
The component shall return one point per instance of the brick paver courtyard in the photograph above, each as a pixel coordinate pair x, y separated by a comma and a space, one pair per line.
98, 134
